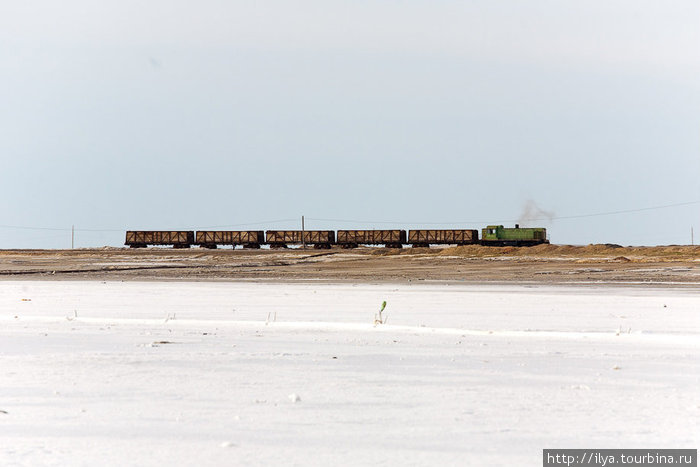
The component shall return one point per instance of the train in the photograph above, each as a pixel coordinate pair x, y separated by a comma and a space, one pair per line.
492, 235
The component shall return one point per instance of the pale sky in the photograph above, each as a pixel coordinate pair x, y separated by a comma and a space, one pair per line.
186, 115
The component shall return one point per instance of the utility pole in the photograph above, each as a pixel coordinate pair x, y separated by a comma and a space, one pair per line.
692, 240
303, 237
72, 237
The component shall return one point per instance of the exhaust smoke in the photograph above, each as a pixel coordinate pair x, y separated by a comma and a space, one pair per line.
533, 213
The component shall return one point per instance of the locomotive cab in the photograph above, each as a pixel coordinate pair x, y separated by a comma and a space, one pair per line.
491, 233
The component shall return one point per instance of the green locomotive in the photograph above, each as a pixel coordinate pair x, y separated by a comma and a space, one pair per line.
498, 235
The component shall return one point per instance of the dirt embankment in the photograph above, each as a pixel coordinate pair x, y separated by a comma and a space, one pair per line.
606, 251
472, 263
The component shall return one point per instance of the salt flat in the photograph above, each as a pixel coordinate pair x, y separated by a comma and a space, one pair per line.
128, 373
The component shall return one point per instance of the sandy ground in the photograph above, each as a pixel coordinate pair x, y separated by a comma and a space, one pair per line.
546, 264
239, 373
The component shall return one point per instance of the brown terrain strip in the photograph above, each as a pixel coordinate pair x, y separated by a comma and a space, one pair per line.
554, 264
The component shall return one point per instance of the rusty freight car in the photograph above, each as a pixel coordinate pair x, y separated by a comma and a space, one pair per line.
247, 238
425, 238
389, 238
317, 238
143, 238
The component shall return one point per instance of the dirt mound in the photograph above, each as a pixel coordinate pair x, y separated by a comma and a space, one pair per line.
476, 251
601, 248
387, 251
621, 259
609, 251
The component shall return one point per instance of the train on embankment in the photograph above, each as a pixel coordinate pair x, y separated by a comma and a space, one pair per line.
493, 235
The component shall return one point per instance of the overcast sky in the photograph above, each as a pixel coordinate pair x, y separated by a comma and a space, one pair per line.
163, 115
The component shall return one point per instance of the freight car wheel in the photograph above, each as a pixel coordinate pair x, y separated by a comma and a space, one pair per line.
252, 246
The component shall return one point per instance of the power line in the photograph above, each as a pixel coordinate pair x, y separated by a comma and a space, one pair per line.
356, 221
626, 211
248, 223
578, 216
57, 229
69, 229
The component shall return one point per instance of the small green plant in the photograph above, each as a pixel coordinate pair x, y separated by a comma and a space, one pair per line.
378, 319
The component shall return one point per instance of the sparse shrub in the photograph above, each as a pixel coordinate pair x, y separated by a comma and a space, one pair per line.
378, 319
